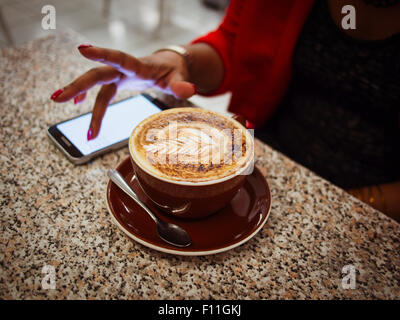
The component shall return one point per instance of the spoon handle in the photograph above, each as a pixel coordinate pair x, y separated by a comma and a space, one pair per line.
115, 177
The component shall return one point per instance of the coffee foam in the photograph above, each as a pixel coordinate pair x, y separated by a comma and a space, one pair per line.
190, 144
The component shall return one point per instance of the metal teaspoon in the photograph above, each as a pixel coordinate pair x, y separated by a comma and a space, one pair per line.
168, 232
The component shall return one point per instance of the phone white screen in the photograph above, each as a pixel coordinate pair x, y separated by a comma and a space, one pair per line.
118, 123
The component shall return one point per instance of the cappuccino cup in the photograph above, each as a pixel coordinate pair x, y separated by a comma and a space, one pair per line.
190, 162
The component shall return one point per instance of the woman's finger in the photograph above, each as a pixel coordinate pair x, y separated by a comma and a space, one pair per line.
101, 75
119, 60
180, 89
105, 95
80, 98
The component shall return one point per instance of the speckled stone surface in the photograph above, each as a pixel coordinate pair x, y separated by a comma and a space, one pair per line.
54, 213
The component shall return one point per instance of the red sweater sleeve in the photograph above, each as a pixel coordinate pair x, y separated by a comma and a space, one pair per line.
222, 40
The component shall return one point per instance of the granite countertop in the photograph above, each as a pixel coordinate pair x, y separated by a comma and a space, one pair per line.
53, 213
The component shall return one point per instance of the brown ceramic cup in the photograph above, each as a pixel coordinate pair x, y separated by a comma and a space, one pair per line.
192, 200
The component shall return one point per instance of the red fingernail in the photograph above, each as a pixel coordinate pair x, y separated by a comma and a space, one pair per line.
56, 94
83, 46
76, 100
249, 125
195, 88
89, 134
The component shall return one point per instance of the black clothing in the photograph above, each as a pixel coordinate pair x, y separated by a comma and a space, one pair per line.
341, 114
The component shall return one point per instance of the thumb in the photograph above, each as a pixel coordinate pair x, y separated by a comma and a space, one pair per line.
180, 88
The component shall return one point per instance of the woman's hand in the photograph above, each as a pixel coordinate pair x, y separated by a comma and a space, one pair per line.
164, 69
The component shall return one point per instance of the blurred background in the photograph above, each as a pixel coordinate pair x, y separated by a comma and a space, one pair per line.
135, 26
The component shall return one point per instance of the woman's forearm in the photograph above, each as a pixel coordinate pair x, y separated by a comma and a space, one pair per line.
384, 197
206, 68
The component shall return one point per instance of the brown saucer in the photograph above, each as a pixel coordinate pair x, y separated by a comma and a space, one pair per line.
226, 229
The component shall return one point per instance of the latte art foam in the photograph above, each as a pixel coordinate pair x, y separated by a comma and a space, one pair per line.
191, 144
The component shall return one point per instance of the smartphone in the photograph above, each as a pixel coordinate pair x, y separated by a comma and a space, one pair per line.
118, 123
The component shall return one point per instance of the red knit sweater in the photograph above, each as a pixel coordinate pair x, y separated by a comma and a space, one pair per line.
256, 40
